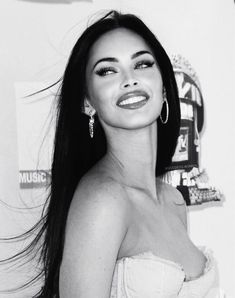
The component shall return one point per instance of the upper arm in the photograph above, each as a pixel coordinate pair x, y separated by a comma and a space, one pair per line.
95, 229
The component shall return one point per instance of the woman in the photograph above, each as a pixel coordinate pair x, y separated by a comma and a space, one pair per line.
111, 228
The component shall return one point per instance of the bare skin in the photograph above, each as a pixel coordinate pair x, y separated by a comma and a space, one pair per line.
119, 208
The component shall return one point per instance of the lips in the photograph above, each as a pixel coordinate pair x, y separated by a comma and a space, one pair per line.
133, 100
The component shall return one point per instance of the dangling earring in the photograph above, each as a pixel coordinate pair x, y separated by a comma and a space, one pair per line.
89, 111
167, 107
91, 124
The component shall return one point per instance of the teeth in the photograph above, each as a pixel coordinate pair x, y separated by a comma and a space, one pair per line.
132, 100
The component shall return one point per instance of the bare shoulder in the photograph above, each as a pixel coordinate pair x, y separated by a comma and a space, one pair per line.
175, 198
100, 199
96, 226
101, 192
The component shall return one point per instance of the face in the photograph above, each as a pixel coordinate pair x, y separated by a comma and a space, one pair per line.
123, 80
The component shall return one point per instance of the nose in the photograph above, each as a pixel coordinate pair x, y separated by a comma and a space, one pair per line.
129, 81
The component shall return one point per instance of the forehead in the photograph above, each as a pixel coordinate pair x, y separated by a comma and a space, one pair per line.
116, 42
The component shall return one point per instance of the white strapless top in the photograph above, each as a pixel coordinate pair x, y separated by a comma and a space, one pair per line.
148, 276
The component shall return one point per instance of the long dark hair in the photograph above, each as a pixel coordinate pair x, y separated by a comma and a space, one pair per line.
75, 152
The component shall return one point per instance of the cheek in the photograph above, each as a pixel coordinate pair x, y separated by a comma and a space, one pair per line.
153, 80
156, 81
101, 93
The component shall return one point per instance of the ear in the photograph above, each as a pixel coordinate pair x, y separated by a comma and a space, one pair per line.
88, 108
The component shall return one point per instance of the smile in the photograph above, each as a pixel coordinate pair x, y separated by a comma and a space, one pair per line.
133, 100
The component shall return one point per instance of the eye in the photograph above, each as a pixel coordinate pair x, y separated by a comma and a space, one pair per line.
104, 71
144, 64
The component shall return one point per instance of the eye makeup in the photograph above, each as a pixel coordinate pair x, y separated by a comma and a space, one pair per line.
104, 71
145, 63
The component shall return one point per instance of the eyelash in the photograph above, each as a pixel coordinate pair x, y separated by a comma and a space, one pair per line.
146, 62
103, 71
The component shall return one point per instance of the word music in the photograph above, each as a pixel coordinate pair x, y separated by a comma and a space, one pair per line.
34, 178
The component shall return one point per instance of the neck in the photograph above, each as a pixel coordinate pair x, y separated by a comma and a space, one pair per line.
132, 156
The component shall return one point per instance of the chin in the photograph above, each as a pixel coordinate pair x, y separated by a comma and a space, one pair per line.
132, 123
141, 124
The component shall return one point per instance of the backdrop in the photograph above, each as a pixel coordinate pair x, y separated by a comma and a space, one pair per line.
36, 38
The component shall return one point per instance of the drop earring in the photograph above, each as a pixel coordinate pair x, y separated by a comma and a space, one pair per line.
91, 124
89, 111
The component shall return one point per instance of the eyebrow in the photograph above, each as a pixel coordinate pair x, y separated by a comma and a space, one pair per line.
112, 59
